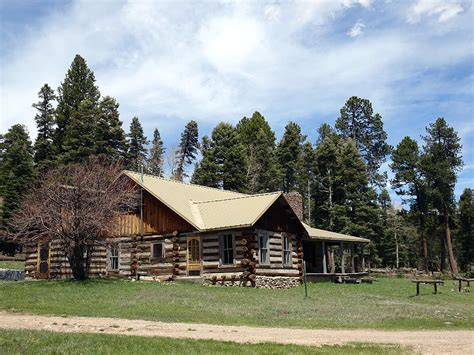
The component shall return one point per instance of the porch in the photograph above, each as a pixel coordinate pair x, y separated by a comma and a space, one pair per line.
329, 255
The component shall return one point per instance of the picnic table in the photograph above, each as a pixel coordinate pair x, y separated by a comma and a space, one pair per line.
435, 283
464, 279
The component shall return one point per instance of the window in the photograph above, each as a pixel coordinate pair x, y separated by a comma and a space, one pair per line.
227, 249
286, 250
263, 255
114, 250
157, 250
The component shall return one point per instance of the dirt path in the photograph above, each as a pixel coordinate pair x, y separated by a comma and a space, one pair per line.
427, 342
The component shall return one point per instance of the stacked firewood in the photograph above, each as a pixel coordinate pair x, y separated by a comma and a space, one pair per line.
300, 260
175, 241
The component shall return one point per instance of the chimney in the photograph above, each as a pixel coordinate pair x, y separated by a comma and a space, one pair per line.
295, 201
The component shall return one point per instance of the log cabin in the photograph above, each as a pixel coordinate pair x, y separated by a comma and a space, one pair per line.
186, 231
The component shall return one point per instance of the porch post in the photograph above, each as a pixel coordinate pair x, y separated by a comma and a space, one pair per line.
362, 257
323, 247
341, 253
352, 259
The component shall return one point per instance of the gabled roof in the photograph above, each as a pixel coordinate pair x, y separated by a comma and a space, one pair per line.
206, 208
321, 234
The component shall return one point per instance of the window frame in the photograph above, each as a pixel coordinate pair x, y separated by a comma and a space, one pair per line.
152, 248
261, 235
110, 256
222, 250
287, 252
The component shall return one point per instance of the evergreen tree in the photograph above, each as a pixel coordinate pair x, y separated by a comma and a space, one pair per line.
441, 165
110, 136
357, 121
136, 157
44, 155
306, 174
466, 230
324, 181
223, 160
78, 86
16, 176
188, 148
409, 183
206, 171
155, 161
80, 136
324, 131
258, 140
288, 154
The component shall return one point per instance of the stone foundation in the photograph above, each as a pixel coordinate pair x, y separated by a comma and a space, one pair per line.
272, 282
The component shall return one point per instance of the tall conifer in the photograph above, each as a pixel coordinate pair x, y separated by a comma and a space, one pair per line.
137, 152
155, 160
188, 148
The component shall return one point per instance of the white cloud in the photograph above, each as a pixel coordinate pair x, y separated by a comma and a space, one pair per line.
169, 62
443, 9
356, 30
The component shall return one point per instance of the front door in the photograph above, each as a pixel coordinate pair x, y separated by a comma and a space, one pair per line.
44, 259
194, 256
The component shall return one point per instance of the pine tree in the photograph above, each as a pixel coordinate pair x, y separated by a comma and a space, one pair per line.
466, 230
206, 172
137, 152
109, 136
324, 181
258, 140
155, 161
288, 154
306, 166
357, 121
78, 86
409, 183
188, 148
80, 136
442, 163
44, 155
223, 160
16, 176
355, 210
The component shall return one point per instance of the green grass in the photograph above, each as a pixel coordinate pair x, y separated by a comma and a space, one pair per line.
389, 303
13, 265
30, 342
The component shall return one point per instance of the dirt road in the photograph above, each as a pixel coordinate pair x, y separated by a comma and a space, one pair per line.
426, 342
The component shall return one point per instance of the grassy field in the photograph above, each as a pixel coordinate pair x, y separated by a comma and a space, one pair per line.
10, 264
29, 342
386, 304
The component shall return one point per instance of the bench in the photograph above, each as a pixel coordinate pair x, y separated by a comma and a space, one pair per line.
435, 284
464, 279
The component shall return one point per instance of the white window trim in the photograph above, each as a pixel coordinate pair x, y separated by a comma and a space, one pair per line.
234, 256
109, 256
289, 250
152, 244
261, 234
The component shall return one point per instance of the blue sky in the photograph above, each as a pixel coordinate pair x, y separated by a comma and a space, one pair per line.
170, 62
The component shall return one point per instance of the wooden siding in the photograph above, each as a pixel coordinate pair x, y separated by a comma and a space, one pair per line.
278, 218
157, 219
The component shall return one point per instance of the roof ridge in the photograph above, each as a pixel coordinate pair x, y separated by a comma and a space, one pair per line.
235, 198
187, 183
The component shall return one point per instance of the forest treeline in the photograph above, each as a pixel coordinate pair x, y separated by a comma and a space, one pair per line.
339, 175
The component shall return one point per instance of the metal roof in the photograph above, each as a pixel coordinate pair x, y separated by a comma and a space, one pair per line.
206, 208
321, 234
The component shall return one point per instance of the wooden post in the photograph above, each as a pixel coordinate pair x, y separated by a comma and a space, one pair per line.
436, 288
323, 247
341, 252
352, 259
362, 257
304, 280
417, 288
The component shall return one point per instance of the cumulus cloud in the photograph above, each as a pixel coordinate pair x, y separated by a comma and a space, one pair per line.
356, 30
443, 9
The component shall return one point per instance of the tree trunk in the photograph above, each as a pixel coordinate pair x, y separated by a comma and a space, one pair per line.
452, 260
442, 252
77, 262
423, 245
330, 199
